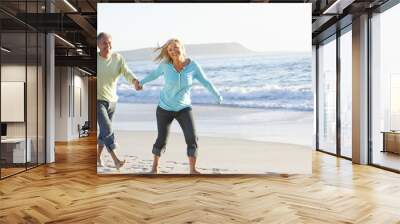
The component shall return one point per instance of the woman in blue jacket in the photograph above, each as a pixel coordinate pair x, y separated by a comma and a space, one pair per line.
179, 72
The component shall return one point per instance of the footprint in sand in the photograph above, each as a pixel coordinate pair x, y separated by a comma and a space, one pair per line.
216, 170
106, 170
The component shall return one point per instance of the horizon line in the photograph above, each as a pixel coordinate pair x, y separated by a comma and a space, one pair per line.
301, 51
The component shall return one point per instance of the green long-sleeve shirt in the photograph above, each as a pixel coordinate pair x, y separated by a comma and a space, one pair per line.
108, 72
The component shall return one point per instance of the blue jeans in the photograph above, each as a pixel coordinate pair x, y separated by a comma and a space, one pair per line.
105, 114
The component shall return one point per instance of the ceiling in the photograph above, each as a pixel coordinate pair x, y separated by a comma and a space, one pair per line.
75, 23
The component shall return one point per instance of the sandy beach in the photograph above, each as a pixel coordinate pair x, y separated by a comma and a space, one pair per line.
231, 141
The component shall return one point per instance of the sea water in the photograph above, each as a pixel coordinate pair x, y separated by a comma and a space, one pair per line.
267, 81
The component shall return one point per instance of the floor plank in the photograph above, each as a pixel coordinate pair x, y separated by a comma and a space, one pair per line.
70, 191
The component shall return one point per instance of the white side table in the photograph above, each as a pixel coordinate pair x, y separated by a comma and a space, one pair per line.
18, 144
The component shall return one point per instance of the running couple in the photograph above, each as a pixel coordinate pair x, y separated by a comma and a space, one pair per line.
178, 72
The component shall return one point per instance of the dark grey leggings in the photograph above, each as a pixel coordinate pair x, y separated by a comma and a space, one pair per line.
185, 120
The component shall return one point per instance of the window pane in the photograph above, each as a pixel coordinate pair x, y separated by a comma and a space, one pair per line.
346, 93
327, 97
386, 89
13, 79
31, 97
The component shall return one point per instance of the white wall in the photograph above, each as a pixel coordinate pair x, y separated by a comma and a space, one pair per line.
79, 115
33, 127
61, 103
71, 93
14, 73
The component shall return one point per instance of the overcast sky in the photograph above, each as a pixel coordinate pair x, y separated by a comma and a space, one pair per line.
258, 26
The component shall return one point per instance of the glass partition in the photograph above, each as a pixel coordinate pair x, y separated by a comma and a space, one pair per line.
385, 89
346, 94
14, 153
22, 77
327, 96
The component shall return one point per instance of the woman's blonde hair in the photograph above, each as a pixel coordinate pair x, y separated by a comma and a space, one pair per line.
163, 56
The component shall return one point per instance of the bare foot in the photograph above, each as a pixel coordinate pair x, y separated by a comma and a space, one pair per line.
119, 164
194, 172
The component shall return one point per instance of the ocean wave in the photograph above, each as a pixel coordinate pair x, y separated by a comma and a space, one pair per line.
268, 97
269, 82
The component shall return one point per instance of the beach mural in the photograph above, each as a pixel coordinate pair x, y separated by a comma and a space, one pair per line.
264, 123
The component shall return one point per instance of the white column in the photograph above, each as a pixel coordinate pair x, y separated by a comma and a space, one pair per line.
50, 92
50, 100
360, 90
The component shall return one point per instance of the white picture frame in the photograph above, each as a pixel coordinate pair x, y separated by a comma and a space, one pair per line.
12, 101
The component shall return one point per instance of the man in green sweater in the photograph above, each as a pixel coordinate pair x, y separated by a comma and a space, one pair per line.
110, 66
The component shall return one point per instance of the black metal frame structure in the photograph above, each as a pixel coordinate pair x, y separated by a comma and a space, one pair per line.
26, 31
337, 35
339, 28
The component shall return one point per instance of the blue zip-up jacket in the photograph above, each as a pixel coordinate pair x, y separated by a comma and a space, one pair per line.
176, 93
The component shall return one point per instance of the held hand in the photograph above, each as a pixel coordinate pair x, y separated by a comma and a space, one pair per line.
137, 85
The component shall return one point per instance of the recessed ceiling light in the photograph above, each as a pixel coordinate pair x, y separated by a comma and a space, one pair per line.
64, 40
86, 72
5, 50
338, 6
71, 6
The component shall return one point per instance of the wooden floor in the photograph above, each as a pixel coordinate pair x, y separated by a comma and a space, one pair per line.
387, 159
70, 191
10, 171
